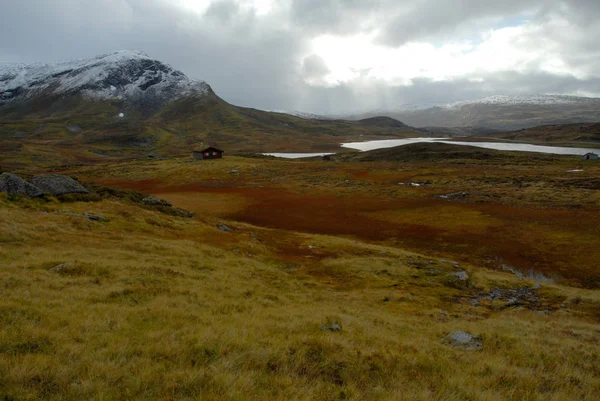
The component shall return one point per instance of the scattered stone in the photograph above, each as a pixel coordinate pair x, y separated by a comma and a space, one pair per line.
462, 276
184, 213
515, 301
154, 201
56, 184
224, 228
462, 340
526, 297
61, 267
14, 185
333, 327
455, 195
416, 184
95, 217
450, 262
459, 280
234, 171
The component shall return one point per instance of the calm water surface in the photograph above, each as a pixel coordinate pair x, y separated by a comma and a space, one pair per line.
390, 143
522, 147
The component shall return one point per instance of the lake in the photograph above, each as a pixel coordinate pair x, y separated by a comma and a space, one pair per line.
295, 155
521, 147
390, 143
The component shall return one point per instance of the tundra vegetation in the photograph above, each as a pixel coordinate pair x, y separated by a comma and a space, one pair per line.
307, 280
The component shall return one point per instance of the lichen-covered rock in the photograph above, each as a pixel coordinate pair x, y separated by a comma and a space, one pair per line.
223, 227
14, 185
95, 217
154, 201
459, 280
56, 184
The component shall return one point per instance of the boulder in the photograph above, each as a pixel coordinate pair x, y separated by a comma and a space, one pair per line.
459, 280
223, 227
14, 185
462, 340
61, 267
95, 217
154, 201
56, 184
333, 327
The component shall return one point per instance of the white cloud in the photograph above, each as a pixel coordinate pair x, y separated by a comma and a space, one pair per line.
329, 55
525, 48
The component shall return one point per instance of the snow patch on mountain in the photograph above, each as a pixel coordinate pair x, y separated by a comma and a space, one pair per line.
120, 75
301, 114
537, 100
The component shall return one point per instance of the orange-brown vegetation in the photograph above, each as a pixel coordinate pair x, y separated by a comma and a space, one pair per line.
154, 306
533, 217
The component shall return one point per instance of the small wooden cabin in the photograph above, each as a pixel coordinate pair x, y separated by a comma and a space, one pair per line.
590, 156
208, 153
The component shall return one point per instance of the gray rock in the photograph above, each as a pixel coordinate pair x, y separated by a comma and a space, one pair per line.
459, 280
61, 267
333, 327
14, 185
513, 302
223, 227
95, 217
154, 201
461, 276
56, 184
454, 195
463, 340
234, 171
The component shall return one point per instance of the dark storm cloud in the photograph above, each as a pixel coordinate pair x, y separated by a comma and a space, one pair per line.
265, 61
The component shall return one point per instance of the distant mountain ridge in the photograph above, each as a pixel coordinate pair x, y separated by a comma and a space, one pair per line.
498, 112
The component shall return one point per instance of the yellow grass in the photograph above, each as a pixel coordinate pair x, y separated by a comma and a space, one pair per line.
155, 307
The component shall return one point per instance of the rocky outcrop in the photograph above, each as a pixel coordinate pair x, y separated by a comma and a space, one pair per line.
154, 201
14, 185
55, 184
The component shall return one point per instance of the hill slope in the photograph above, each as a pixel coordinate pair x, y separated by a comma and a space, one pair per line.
501, 112
556, 133
126, 105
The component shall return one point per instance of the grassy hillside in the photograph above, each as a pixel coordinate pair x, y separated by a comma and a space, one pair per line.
553, 134
77, 131
155, 307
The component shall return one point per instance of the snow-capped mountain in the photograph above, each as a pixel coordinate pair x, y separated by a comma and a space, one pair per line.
122, 75
499, 112
537, 100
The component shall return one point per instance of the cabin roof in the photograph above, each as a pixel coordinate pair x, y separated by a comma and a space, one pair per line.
209, 149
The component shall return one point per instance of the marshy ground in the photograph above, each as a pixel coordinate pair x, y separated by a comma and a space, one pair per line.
155, 306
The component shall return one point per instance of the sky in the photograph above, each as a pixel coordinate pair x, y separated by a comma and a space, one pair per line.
329, 56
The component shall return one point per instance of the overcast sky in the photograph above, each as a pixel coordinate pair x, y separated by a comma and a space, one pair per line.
329, 56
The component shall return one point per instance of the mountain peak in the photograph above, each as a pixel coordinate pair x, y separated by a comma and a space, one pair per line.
124, 75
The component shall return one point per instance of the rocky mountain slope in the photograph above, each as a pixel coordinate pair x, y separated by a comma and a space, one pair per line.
125, 76
500, 112
127, 105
